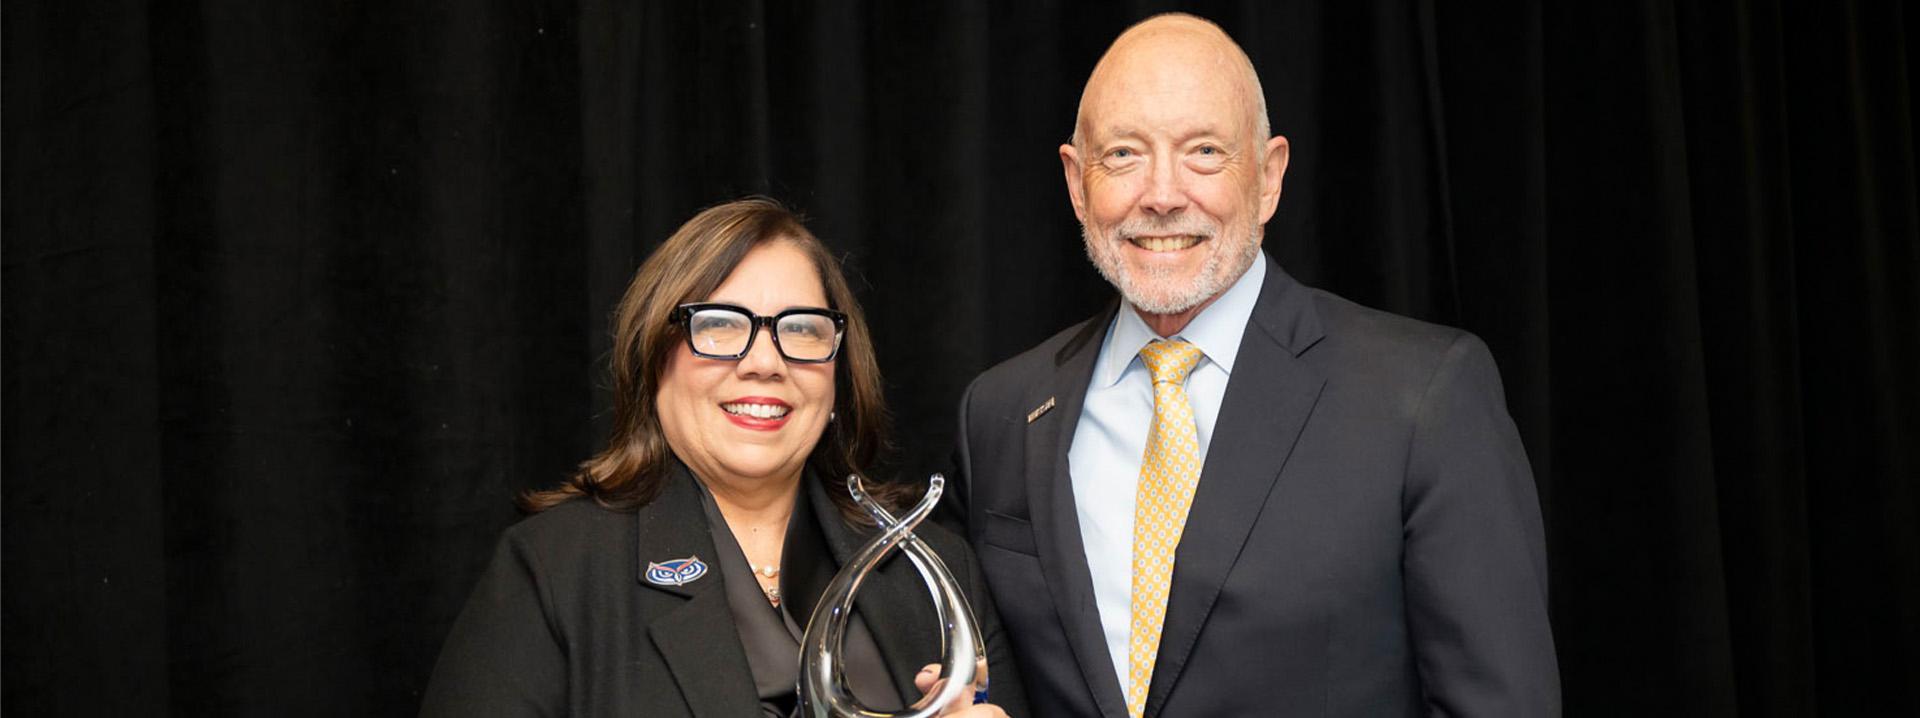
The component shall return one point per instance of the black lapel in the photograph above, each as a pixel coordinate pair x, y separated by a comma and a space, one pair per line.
893, 601
698, 639
807, 562
1267, 403
1056, 524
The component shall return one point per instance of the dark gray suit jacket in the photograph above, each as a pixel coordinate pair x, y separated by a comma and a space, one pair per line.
1365, 539
563, 622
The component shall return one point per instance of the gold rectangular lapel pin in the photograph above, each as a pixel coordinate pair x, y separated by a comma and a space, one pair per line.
1040, 410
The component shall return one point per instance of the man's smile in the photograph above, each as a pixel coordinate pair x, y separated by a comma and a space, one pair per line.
1172, 243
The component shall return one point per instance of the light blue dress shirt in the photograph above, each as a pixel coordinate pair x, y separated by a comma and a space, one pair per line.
1111, 438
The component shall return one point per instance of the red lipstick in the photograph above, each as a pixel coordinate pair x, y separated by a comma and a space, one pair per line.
758, 423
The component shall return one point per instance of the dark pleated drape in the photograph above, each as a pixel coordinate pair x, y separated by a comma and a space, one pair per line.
297, 295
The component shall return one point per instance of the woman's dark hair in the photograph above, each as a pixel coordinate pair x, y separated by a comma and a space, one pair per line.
688, 267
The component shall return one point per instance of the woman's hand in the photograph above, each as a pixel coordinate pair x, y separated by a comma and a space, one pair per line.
962, 706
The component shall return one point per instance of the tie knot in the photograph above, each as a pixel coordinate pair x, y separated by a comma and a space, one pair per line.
1169, 360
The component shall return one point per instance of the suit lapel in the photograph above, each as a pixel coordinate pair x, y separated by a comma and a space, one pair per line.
698, 640
808, 560
1056, 523
1267, 402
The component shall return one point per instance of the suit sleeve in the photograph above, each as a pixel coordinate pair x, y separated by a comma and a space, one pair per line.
1004, 686
503, 657
1475, 551
953, 509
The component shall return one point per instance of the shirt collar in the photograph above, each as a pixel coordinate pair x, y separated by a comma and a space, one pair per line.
1217, 330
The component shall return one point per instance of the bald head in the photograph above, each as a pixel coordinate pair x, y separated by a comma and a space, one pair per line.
1169, 49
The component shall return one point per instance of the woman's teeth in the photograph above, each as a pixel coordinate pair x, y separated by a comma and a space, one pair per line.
757, 411
1165, 244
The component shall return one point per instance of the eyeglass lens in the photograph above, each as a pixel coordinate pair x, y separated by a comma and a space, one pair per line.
725, 332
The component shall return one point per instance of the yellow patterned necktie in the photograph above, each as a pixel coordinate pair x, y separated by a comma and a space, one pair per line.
1168, 474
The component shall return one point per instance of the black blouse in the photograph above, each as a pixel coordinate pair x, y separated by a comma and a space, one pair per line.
771, 636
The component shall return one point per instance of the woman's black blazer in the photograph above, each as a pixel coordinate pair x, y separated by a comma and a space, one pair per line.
563, 621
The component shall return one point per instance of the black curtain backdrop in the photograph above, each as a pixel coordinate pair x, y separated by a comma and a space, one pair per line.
298, 295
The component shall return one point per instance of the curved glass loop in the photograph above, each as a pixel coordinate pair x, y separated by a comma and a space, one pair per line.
823, 687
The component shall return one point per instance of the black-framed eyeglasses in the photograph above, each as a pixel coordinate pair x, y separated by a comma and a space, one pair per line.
724, 331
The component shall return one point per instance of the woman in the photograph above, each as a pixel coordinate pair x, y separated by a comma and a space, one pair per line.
675, 572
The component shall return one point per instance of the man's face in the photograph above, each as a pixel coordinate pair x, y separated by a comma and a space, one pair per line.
1168, 180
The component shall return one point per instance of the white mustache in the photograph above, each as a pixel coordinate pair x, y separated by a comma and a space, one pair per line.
1183, 225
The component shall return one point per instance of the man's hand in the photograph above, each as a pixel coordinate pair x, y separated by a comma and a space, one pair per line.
962, 706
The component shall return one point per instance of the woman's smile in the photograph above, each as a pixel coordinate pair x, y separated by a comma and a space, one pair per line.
759, 413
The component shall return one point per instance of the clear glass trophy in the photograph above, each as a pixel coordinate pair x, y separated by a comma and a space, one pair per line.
823, 689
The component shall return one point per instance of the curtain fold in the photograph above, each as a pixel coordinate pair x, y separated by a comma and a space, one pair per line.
297, 297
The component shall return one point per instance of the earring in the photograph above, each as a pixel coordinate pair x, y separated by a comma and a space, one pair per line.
831, 416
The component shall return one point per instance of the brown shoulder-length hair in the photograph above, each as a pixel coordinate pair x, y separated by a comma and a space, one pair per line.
688, 267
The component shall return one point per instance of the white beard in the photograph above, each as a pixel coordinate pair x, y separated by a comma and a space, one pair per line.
1157, 291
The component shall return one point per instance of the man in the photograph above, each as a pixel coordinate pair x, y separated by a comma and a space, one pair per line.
1231, 494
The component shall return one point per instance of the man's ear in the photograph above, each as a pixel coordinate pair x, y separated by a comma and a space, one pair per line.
1076, 189
1273, 167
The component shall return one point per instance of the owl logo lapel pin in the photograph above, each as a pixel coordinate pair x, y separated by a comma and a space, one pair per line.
677, 572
